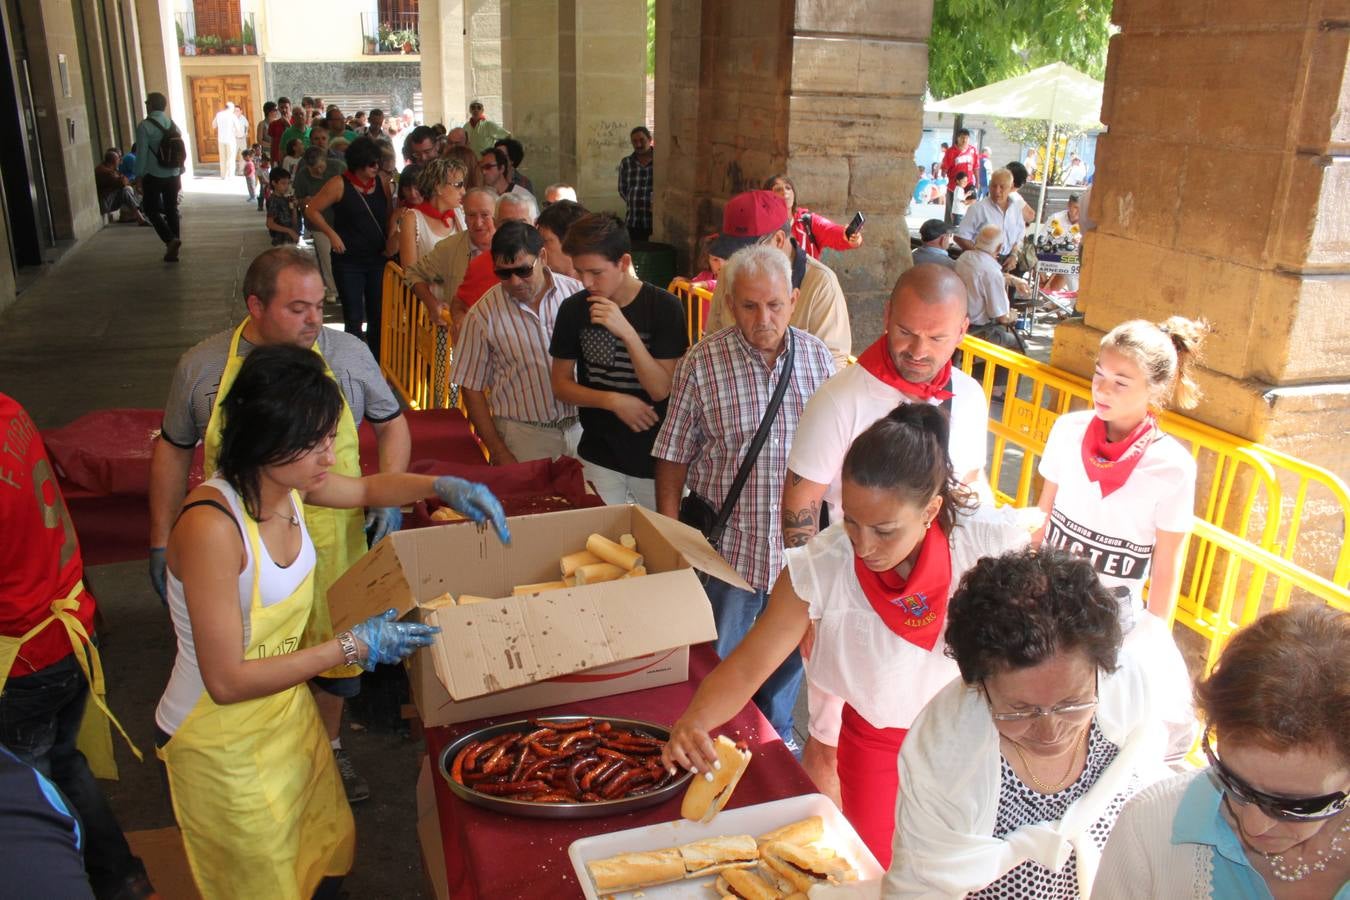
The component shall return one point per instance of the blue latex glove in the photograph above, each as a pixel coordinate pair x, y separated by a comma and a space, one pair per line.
158, 567
473, 501
389, 641
382, 521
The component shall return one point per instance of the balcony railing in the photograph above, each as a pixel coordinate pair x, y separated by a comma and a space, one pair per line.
241, 40
389, 34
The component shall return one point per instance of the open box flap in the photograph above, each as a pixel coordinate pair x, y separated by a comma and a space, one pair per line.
376, 582
515, 641
688, 542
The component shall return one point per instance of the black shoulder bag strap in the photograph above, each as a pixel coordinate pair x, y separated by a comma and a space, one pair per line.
757, 444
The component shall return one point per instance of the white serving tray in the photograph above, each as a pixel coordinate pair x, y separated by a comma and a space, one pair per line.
752, 820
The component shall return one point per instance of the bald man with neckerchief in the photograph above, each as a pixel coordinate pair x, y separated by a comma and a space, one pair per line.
910, 363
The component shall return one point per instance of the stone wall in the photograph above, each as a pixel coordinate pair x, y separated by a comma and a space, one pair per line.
829, 90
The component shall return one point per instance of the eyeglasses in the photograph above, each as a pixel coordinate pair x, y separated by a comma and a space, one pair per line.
1284, 809
456, 184
521, 272
486, 167
1064, 710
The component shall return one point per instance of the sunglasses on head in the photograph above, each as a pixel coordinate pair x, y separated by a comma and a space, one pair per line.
457, 184
1284, 809
521, 272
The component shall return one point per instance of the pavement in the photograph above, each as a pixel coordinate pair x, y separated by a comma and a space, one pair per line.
104, 328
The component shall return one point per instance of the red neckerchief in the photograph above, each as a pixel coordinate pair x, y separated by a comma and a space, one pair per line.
915, 608
1110, 463
429, 210
876, 359
360, 184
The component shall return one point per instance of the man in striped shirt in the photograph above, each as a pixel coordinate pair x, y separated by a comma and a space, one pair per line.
504, 348
720, 394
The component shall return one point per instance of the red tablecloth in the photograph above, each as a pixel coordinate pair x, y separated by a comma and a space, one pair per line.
491, 855
103, 462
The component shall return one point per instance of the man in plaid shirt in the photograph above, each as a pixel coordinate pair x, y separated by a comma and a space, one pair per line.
635, 184
721, 391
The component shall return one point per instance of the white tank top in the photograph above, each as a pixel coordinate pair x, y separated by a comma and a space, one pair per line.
275, 583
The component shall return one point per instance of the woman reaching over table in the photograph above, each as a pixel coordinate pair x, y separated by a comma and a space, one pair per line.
1121, 492
1014, 774
1271, 816
875, 586
254, 788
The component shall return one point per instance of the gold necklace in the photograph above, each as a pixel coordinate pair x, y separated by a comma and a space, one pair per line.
289, 517
1040, 785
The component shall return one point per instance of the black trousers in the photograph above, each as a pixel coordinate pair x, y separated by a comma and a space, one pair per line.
161, 204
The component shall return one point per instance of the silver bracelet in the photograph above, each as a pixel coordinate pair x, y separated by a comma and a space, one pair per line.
350, 653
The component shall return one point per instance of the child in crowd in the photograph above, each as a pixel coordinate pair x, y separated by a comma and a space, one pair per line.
282, 220
262, 159
250, 174
294, 151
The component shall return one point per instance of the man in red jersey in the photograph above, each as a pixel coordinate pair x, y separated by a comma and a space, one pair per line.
44, 608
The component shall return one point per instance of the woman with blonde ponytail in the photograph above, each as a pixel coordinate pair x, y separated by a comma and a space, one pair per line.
1121, 492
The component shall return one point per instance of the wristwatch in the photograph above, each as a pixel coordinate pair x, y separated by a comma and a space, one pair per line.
350, 653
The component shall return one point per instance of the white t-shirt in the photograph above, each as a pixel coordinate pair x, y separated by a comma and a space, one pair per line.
1116, 533
855, 656
853, 399
275, 584
227, 127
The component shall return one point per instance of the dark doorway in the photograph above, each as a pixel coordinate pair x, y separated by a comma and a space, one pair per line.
23, 187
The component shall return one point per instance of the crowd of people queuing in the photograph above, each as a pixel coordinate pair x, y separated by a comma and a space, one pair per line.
994, 695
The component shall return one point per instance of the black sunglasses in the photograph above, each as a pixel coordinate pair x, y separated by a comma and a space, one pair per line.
521, 272
1284, 809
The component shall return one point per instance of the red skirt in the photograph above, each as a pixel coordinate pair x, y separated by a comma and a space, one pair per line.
869, 777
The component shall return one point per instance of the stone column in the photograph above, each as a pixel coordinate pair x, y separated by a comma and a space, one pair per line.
441, 29
605, 42
482, 62
829, 90
531, 84
1221, 191
163, 73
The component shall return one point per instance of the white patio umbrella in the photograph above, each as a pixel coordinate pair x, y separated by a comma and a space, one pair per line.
1057, 93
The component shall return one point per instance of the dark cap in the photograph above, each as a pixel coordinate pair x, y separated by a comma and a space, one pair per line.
933, 229
746, 218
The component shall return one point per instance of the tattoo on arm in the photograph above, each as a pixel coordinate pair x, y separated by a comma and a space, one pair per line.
796, 479
799, 525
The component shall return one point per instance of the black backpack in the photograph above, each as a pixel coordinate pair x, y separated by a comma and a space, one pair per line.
172, 150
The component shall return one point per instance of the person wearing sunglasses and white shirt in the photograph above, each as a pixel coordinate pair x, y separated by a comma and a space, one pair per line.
1013, 775
1270, 818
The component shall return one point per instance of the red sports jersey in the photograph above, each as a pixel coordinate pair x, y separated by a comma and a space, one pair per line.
961, 159
39, 554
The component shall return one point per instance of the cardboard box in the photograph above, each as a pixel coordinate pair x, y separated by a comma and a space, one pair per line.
518, 653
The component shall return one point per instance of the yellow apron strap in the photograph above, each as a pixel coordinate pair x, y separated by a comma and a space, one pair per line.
91, 663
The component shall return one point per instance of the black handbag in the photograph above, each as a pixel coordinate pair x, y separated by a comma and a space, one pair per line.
696, 511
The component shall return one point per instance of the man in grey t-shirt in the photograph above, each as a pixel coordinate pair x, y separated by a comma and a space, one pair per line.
284, 295
936, 236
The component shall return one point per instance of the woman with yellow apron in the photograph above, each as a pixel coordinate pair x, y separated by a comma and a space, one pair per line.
254, 787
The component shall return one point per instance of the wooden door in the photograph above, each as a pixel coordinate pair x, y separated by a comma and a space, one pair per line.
209, 96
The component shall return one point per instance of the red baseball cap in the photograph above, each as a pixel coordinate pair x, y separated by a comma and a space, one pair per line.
748, 217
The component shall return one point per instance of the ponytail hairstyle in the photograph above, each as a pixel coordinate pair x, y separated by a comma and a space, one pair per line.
906, 452
281, 406
1166, 353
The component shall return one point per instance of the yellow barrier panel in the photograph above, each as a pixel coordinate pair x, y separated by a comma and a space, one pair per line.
408, 343
1252, 500
693, 297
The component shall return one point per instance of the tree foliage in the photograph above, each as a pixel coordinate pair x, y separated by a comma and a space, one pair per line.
978, 42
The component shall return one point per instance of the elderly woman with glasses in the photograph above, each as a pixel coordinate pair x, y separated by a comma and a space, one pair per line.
1013, 775
1270, 817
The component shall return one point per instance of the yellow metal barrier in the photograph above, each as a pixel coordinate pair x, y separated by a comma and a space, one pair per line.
693, 297
1253, 500
408, 343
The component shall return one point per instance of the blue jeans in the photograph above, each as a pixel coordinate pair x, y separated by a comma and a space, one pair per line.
734, 611
360, 287
39, 721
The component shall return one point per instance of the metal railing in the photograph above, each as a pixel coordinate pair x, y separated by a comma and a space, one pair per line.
407, 343
1253, 502
389, 34
695, 299
239, 40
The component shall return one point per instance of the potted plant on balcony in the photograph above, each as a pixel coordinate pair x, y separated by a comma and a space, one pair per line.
386, 38
209, 44
234, 46
250, 39
406, 39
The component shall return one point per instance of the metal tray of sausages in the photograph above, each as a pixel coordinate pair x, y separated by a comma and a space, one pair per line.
558, 810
